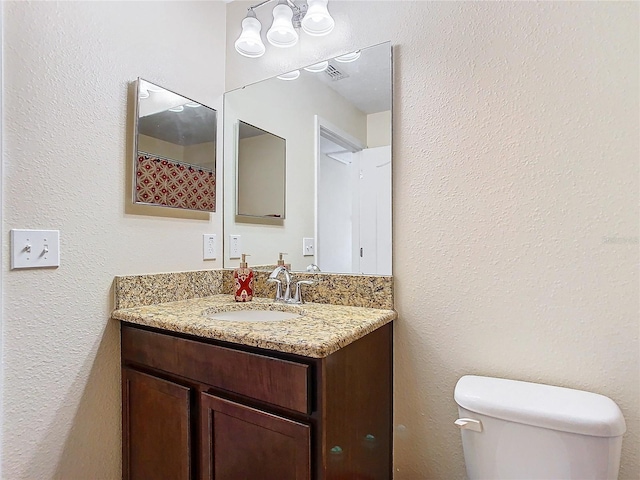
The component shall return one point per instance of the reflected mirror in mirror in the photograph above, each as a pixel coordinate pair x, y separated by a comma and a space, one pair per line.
336, 119
175, 150
260, 171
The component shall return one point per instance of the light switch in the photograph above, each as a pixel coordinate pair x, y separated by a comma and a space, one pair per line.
35, 248
308, 248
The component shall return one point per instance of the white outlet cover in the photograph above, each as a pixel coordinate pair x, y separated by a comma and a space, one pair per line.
235, 246
209, 246
35, 248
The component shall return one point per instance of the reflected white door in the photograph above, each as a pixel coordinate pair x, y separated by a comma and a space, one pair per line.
335, 206
375, 210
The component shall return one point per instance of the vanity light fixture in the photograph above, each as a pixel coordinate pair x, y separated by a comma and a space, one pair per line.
318, 67
349, 57
179, 108
313, 17
282, 34
192, 105
317, 21
290, 75
249, 42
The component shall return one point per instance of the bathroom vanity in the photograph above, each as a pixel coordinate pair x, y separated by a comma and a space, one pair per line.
224, 400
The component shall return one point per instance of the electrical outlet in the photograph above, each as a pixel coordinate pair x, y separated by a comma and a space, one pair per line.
209, 246
308, 247
235, 246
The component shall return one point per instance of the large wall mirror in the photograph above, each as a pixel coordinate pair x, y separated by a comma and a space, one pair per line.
335, 117
175, 150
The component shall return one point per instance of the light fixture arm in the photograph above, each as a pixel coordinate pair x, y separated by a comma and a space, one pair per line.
298, 11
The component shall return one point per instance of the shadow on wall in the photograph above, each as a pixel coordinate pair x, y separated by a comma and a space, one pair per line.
419, 413
84, 454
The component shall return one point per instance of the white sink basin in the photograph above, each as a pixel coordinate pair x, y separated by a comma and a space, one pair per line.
253, 316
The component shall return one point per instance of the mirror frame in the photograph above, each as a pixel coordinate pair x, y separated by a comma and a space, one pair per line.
193, 172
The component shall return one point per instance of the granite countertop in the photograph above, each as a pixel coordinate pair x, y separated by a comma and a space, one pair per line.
320, 330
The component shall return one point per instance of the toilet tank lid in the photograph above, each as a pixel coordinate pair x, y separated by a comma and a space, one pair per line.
545, 406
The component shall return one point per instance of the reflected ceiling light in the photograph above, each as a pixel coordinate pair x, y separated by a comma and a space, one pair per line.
318, 67
282, 33
249, 42
179, 108
317, 21
349, 57
143, 93
290, 75
313, 17
192, 105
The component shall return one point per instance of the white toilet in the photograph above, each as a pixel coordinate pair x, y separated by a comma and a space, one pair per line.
519, 430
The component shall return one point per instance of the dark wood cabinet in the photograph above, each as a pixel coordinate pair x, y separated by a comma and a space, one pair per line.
238, 441
157, 415
195, 408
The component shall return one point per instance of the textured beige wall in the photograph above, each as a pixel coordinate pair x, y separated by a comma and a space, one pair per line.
67, 118
516, 154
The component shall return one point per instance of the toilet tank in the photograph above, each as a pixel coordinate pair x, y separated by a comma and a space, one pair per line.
520, 430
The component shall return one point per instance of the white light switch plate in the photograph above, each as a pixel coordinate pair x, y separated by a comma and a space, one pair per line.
35, 248
308, 247
209, 246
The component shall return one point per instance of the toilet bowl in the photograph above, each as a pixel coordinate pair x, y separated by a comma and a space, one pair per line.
519, 430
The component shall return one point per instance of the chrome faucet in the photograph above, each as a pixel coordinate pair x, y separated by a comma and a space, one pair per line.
286, 296
280, 296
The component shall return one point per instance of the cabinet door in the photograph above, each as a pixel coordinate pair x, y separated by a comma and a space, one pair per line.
243, 443
155, 428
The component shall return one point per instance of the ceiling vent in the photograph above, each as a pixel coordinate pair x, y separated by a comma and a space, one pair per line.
335, 74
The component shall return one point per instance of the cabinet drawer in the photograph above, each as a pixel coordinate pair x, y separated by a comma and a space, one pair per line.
271, 380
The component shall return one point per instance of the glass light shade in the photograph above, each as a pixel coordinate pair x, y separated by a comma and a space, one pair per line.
318, 67
249, 42
176, 109
317, 21
282, 33
290, 75
349, 57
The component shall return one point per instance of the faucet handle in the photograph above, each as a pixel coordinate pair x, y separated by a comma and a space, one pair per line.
298, 295
278, 283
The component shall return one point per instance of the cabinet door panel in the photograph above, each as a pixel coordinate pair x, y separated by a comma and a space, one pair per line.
242, 443
155, 428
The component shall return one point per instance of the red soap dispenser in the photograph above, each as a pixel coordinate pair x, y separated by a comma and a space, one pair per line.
243, 279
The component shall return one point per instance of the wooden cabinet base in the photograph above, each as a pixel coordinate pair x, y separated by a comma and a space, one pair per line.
238, 441
157, 438
282, 417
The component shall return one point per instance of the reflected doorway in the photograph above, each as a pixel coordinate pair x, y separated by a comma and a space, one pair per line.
353, 210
